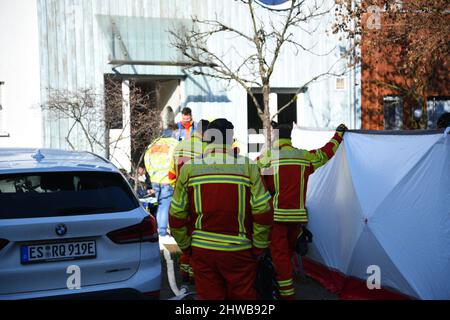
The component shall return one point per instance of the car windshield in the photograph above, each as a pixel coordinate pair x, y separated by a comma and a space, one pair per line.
56, 194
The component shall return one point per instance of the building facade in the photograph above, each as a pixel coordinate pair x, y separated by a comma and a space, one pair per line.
75, 44
20, 94
403, 85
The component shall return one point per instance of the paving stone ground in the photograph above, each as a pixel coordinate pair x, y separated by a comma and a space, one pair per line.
306, 288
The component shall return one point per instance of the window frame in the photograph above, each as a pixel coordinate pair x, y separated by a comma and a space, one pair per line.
432, 112
398, 111
344, 84
3, 133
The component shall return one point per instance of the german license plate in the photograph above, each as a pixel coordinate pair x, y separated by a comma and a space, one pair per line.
40, 253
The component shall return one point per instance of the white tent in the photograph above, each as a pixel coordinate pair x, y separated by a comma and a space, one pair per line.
384, 200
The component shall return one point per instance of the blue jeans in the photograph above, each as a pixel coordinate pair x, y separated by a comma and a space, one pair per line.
164, 194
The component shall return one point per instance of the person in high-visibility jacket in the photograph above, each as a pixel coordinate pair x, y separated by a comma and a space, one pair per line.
226, 197
157, 160
185, 151
187, 126
286, 171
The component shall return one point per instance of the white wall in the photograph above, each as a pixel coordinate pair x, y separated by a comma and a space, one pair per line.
19, 69
120, 139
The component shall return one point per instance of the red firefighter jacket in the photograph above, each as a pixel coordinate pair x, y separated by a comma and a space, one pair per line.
225, 198
286, 171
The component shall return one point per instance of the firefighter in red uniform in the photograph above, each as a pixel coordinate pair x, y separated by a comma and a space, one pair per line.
226, 198
286, 172
185, 151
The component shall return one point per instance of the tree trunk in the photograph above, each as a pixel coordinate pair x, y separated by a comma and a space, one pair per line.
266, 118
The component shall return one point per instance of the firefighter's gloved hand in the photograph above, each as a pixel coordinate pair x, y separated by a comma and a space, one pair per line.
342, 128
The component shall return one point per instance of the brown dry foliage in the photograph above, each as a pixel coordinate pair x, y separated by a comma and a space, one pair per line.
409, 54
93, 113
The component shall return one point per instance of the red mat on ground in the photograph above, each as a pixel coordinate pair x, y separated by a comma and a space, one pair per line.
348, 288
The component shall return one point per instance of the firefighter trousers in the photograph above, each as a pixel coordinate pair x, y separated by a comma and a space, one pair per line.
224, 275
282, 247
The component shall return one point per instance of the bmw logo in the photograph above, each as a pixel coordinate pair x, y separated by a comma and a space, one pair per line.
61, 229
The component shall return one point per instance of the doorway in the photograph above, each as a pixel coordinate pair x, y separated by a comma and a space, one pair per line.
136, 120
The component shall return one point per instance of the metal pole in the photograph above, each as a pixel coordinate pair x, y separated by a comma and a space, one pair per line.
160, 63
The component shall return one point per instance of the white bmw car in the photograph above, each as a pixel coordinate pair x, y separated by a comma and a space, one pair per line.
71, 227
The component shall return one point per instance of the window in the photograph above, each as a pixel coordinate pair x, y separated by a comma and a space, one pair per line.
395, 5
393, 112
254, 122
56, 194
436, 107
340, 84
342, 50
287, 116
284, 96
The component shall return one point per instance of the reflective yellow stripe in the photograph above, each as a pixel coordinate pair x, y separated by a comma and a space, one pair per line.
177, 204
290, 211
219, 179
287, 215
198, 206
290, 219
289, 292
291, 216
285, 283
302, 188
256, 202
217, 237
220, 246
277, 186
320, 158
336, 145
261, 244
284, 215
241, 210
291, 162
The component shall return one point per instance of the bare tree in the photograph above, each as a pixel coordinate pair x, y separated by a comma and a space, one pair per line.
142, 125
81, 106
96, 113
262, 43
